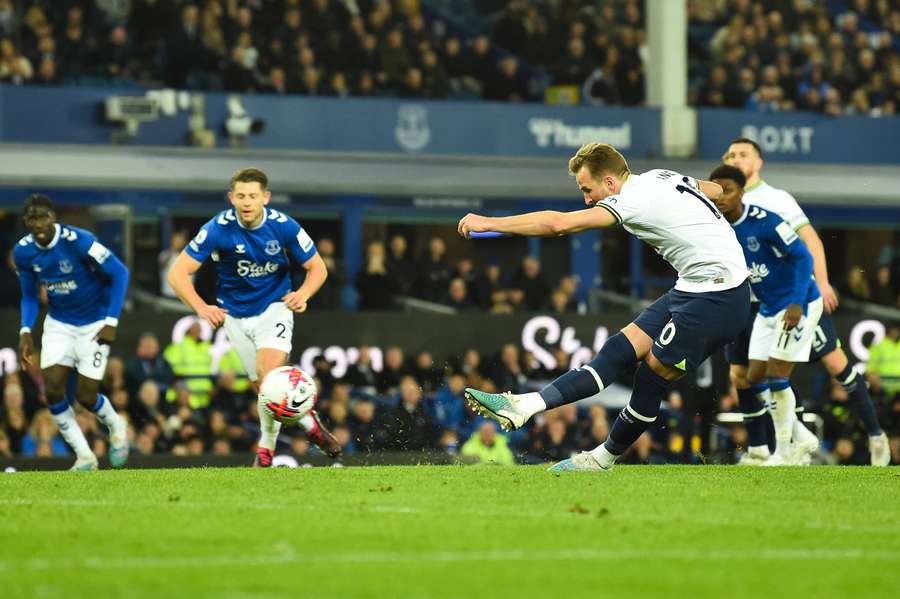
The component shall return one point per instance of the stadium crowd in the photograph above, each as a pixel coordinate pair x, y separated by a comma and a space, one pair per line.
830, 57
836, 57
176, 405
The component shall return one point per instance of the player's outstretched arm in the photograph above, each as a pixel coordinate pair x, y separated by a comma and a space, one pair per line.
179, 278
316, 274
820, 267
546, 223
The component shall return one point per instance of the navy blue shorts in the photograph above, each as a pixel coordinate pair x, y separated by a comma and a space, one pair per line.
825, 341
687, 328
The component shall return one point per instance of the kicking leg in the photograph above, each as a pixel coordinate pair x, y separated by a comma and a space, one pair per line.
618, 353
56, 378
267, 359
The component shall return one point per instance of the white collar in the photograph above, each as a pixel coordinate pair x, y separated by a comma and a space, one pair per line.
53, 241
261, 223
743, 216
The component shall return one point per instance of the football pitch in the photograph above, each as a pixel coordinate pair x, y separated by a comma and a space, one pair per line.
450, 531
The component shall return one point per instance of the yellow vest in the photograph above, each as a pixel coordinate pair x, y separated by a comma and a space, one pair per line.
191, 361
232, 362
884, 360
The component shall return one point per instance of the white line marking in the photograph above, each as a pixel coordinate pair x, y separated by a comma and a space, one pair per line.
389, 557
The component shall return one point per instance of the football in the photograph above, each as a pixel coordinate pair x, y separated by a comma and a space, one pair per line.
288, 394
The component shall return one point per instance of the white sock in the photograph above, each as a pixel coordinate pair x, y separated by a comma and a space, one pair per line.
803, 434
759, 450
603, 456
783, 415
531, 403
107, 416
72, 433
268, 429
308, 422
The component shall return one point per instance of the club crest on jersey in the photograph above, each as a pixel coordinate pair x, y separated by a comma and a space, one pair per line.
240, 249
65, 266
752, 244
273, 247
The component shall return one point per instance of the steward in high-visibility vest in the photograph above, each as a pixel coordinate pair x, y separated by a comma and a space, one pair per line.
191, 361
231, 362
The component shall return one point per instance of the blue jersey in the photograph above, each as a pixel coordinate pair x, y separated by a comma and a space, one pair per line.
253, 266
781, 267
85, 281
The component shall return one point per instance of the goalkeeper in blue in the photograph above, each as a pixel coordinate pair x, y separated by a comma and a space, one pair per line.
86, 286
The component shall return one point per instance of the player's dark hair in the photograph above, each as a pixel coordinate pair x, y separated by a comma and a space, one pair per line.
747, 140
38, 200
250, 175
725, 171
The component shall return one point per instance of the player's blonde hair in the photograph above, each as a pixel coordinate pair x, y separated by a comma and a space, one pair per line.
600, 160
250, 175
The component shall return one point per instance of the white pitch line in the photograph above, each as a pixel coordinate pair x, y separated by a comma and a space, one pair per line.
194, 561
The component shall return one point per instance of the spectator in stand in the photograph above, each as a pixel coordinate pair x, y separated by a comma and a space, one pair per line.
407, 425
509, 85
191, 361
329, 297
507, 374
447, 407
401, 268
433, 272
884, 291
394, 58
393, 371
367, 436
42, 439
575, 66
427, 373
487, 447
167, 258
883, 369
373, 284
488, 284
14, 68
146, 408
458, 296
361, 375
532, 283
856, 286
148, 364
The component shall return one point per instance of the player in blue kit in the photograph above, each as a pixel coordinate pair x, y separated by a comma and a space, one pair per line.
254, 248
790, 305
86, 287
746, 155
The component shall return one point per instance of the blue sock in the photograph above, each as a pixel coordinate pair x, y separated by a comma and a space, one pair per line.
59, 407
99, 403
859, 400
762, 391
754, 412
649, 391
616, 355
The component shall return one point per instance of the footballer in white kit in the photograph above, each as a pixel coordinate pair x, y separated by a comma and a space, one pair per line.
746, 155
253, 248
705, 310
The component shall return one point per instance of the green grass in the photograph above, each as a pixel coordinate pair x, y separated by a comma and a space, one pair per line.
433, 531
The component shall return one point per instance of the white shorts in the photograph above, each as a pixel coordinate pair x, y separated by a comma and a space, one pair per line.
74, 346
770, 340
272, 329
